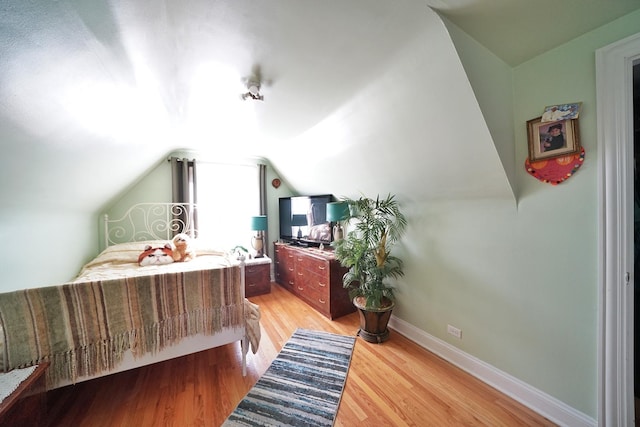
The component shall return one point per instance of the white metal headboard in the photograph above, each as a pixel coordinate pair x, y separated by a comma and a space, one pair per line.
151, 221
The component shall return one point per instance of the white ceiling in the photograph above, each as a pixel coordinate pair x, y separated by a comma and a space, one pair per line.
93, 93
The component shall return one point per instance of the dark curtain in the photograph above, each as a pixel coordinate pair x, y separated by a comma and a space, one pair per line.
184, 191
262, 177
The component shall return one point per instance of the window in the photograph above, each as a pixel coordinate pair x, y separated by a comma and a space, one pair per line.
227, 196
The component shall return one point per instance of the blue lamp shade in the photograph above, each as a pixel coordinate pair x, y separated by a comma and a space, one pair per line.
299, 220
337, 211
259, 223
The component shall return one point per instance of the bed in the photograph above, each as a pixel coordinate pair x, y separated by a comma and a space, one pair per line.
117, 315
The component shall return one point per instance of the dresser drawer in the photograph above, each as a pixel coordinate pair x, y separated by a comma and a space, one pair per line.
286, 275
312, 296
284, 266
317, 282
314, 265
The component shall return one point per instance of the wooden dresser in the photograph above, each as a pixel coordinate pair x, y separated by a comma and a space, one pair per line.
315, 276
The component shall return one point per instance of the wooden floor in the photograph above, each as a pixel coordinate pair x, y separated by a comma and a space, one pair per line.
396, 383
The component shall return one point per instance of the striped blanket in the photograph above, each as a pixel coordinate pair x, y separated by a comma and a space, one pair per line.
84, 328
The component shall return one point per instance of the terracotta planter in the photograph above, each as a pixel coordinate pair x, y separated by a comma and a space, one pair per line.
373, 322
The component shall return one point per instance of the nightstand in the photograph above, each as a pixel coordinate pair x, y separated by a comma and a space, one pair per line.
257, 276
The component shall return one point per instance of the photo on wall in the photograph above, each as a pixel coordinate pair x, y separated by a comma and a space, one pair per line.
553, 113
549, 140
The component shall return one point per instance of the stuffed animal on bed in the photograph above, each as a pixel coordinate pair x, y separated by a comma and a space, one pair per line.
182, 250
156, 256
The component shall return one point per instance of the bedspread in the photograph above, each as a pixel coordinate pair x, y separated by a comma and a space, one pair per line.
84, 328
121, 261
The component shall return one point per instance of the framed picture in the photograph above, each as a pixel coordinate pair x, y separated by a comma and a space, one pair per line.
548, 140
554, 113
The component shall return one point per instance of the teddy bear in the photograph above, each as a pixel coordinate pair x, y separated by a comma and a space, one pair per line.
182, 250
156, 256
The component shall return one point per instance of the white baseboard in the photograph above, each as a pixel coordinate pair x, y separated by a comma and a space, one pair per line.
542, 403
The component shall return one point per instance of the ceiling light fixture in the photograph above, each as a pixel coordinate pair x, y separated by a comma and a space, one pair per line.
253, 83
253, 91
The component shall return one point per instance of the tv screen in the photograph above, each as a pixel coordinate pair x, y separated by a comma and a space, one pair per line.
303, 220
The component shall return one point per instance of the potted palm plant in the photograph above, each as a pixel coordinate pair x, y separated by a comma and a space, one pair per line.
366, 252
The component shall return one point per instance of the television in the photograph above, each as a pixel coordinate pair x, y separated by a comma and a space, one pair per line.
303, 220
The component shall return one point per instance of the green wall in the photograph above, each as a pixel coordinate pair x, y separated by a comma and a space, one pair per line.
44, 247
521, 281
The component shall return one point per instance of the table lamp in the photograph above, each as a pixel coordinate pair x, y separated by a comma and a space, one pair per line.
258, 224
336, 212
299, 220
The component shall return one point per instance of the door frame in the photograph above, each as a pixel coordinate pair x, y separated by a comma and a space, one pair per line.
615, 230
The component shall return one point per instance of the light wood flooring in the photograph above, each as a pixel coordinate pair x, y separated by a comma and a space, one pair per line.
396, 383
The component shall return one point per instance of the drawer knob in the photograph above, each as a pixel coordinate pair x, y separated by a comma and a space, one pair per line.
322, 284
322, 301
322, 267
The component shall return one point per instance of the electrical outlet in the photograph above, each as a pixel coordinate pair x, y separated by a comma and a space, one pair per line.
454, 331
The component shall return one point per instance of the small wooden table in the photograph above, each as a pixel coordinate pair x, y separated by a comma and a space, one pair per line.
27, 404
257, 280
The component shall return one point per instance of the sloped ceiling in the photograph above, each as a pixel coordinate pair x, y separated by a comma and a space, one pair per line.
94, 93
518, 30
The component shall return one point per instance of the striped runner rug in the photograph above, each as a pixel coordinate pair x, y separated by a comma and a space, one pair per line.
302, 386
